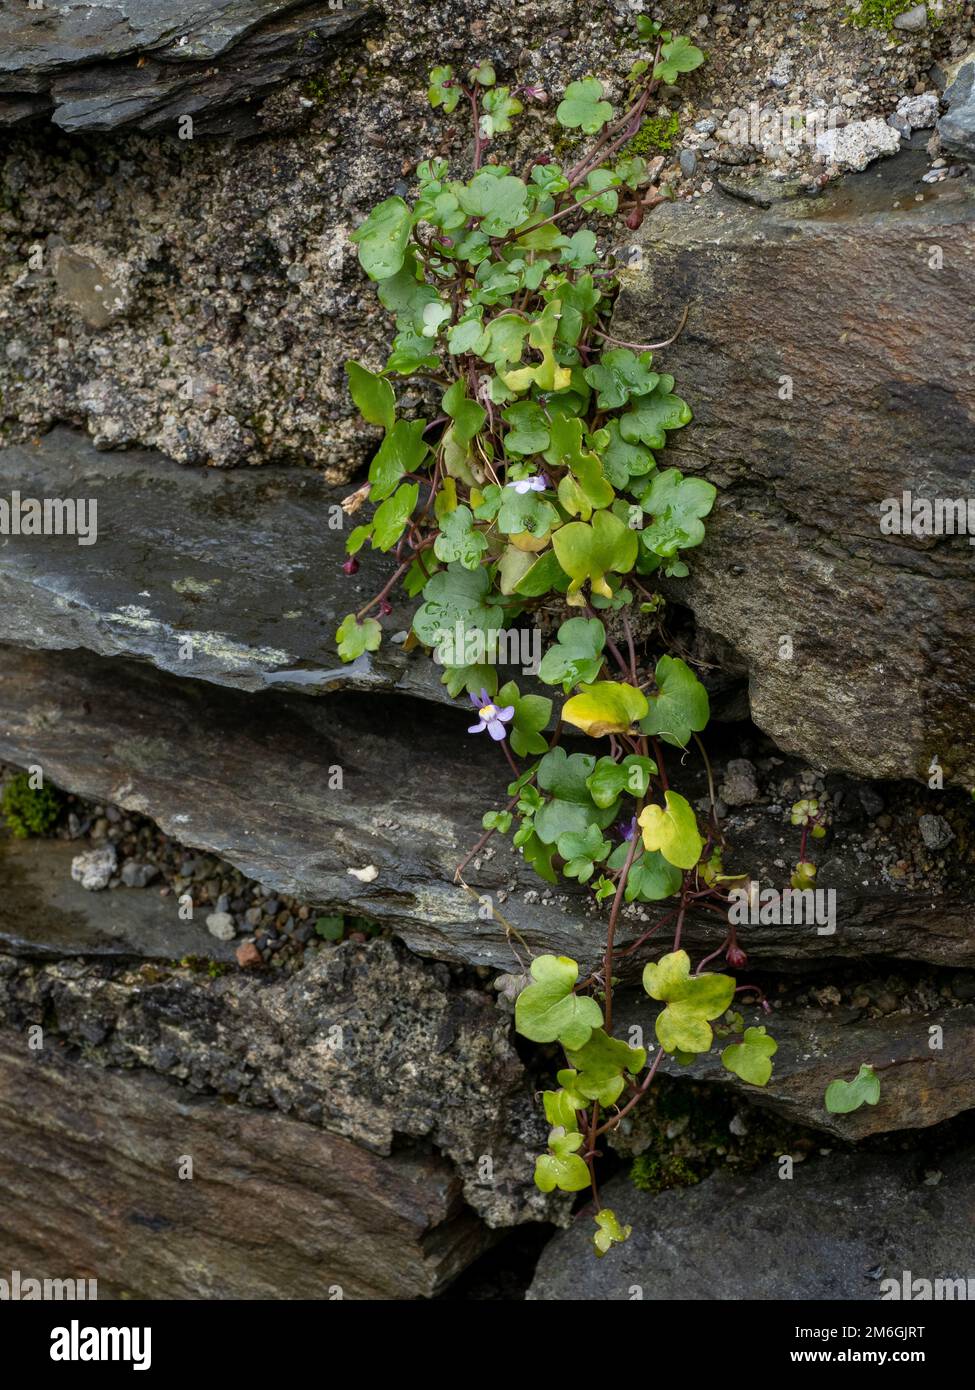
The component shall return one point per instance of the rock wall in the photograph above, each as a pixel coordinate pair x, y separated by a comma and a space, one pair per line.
177, 304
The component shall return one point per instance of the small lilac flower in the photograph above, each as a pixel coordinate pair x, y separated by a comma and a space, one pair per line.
536, 484
491, 717
627, 828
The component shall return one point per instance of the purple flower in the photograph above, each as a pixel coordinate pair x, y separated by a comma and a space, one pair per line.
491, 717
536, 484
627, 828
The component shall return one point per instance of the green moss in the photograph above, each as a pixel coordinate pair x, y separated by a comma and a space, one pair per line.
877, 14
29, 811
656, 135
654, 1173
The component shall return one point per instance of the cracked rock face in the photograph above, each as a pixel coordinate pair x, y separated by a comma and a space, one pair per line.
94, 65
367, 1042
856, 640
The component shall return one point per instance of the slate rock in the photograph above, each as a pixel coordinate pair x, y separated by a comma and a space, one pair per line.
820, 297
248, 778
957, 126
842, 1226
110, 1145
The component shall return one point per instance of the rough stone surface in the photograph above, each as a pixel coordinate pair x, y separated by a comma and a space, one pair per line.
880, 681
248, 778
854, 146
89, 65
44, 913
836, 1230
957, 127
367, 1042
232, 578
94, 869
924, 1087
89, 1164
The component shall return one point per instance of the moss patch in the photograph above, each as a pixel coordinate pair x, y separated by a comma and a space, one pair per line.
655, 136
29, 811
878, 14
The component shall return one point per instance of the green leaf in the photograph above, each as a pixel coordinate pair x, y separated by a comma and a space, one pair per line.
582, 850
438, 91
498, 106
532, 713
603, 182
681, 707
600, 1065
843, 1097
620, 374
529, 433
672, 830
654, 414
608, 707
354, 637
373, 396
583, 106
571, 807
469, 335
678, 56
651, 877
562, 1168
382, 238
580, 249
456, 595
460, 540
391, 516
691, 1001
411, 353
548, 1011
589, 551
610, 778
751, 1059
609, 1231
467, 415
622, 461
577, 654
403, 450
677, 505
559, 1110
501, 203
545, 574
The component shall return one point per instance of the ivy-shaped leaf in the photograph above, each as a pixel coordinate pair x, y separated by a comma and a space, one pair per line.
382, 238
751, 1059
498, 106
672, 830
354, 637
653, 415
439, 93
529, 433
651, 877
501, 203
607, 707
677, 505
467, 415
546, 375
623, 461
526, 513
562, 1168
609, 1232
570, 807
459, 539
456, 596
549, 1011
577, 654
681, 707
691, 1002
583, 107
589, 551
582, 851
843, 1097
610, 778
620, 374
599, 1067
403, 450
678, 56
559, 1110
373, 396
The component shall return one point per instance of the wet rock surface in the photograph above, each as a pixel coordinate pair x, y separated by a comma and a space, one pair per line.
90, 1162
841, 1226
234, 579
248, 777
366, 1042
877, 678
45, 912
88, 65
